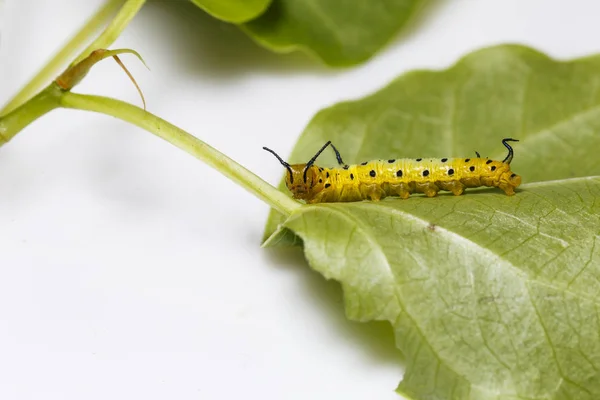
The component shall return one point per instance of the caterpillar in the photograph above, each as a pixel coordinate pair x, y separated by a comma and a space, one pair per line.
376, 179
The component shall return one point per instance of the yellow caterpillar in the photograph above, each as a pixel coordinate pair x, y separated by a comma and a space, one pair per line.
374, 180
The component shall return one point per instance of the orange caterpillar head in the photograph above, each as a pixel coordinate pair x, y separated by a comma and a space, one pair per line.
303, 180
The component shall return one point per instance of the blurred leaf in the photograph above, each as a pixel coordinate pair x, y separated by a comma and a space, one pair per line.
340, 32
235, 11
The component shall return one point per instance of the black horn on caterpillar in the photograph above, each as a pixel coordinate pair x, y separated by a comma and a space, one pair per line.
509, 157
312, 160
285, 164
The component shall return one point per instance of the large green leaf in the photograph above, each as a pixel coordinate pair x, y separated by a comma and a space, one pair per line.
491, 296
504, 91
236, 11
340, 32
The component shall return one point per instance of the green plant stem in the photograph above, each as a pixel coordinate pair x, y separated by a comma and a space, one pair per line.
42, 103
114, 29
52, 68
184, 141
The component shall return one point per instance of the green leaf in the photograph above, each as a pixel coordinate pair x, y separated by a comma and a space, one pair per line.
339, 32
235, 11
490, 296
505, 91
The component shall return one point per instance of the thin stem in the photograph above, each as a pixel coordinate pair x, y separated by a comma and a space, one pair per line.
112, 31
42, 103
184, 141
74, 74
52, 68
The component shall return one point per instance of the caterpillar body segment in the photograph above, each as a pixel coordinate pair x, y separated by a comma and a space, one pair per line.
374, 180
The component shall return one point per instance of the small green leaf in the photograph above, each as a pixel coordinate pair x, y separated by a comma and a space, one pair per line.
235, 11
340, 32
490, 296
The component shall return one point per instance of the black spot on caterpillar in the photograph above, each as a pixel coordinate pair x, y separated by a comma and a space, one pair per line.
400, 177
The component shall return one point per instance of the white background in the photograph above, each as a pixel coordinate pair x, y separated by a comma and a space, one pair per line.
130, 270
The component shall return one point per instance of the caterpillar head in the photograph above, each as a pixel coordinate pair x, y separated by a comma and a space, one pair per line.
303, 180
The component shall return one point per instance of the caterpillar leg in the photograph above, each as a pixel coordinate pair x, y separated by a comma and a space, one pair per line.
429, 188
430, 192
371, 192
455, 187
403, 190
314, 200
508, 189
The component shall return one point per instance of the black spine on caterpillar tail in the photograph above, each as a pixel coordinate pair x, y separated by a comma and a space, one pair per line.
509, 157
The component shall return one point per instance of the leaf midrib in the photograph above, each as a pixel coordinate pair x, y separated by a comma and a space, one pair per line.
381, 254
361, 227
